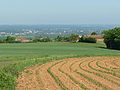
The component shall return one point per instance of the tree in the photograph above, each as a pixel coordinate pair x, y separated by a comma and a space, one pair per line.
10, 39
87, 39
41, 39
58, 38
46, 39
74, 37
93, 33
62, 39
112, 38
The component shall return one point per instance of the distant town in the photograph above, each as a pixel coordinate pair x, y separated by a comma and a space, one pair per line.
51, 30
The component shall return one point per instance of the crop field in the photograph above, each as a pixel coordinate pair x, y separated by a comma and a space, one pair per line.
88, 65
86, 73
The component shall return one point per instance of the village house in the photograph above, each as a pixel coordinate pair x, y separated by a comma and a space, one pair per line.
22, 39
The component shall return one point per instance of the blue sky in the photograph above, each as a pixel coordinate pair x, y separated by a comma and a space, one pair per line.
59, 12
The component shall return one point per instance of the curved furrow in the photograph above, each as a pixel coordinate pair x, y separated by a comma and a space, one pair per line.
29, 80
111, 64
107, 70
108, 64
103, 82
70, 70
57, 80
98, 81
110, 78
47, 79
33, 79
111, 67
77, 83
70, 85
116, 62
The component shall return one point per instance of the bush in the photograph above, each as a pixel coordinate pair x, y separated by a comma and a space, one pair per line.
112, 38
6, 81
1, 41
42, 39
71, 38
93, 33
87, 39
74, 37
10, 39
62, 39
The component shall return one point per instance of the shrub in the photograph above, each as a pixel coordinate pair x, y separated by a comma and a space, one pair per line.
112, 38
6, 81
62, 39
74, 37
93, 33
87, 39
10, 39
42, 39
71, 38
1, 41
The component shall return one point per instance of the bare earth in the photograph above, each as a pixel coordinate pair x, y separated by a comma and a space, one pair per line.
87, 73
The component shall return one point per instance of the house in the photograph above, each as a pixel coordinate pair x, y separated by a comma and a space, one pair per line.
22, 39
98, 37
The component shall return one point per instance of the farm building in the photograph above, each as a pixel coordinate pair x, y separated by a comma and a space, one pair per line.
22, 39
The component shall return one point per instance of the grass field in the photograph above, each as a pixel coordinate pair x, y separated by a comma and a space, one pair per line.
16, 57
54, 49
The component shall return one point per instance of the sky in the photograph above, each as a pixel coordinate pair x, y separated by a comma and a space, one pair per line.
59, 11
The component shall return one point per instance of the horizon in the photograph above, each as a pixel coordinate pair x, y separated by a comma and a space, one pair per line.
59, 12
60, 24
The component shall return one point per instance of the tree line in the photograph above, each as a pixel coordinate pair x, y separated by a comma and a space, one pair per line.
71, 38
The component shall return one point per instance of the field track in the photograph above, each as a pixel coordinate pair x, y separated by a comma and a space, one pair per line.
87, 73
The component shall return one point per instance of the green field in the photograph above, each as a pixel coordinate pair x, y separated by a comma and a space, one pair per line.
10, 53
15, 57
54, 49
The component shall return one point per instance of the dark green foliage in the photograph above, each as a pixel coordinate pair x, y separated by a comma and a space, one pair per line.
6, 81
112, 38
8, 76
71, 38
41, 39
62, 39
12, 69
74, 37
87, 39
1, 41
93, 33
10, 39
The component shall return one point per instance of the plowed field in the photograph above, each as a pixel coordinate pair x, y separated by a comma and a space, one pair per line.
87, 73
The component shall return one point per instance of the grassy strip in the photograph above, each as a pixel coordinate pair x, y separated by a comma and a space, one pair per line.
57, 80
98, 74
109, 71
90, 79
9, 74
7, 82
